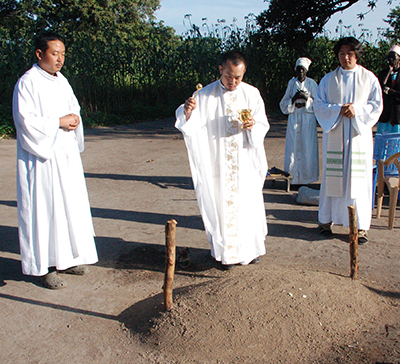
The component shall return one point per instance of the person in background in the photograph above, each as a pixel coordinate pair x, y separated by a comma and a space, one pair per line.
301, 149
390, 83
54, 220
228, 162
347, 106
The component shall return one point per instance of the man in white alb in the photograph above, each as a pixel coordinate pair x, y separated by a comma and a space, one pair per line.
54, 219
228, 162
348, 104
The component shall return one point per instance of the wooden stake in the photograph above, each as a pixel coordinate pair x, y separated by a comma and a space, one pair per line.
353, 241
170, 228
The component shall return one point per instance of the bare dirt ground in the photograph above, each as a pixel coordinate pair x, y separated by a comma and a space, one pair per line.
297, 306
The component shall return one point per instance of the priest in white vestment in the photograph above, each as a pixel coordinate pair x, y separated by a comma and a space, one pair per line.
347, 106
228, 162
54, 219
301, 148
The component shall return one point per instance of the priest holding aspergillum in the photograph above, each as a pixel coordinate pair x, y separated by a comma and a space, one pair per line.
228, 162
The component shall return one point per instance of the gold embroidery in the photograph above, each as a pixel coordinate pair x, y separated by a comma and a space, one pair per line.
231, 176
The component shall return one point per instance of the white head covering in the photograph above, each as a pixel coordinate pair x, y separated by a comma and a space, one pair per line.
395, 49
304, 62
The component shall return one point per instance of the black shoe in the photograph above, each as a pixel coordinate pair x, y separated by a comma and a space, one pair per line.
362, 237
255, 260
325, 229
227, 266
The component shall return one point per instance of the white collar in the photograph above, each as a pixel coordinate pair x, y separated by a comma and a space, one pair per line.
46, 74
224, 88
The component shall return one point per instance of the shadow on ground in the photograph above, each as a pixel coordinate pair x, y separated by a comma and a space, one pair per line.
10, 270
9, 239
185, 183
190, 222
119, 254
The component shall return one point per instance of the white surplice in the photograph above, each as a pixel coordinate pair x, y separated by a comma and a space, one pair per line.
367, 112
54, 218
228, 166
301, 148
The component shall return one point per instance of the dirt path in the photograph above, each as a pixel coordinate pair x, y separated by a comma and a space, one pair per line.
297, 306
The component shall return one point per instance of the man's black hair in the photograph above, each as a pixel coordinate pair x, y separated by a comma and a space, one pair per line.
354, 44
236, 57
43, 39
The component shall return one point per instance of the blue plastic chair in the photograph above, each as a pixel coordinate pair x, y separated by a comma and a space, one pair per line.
385, 145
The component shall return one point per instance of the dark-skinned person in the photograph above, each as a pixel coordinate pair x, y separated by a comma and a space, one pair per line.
390, 83
228, 162
301, 148
54, 220
347, 106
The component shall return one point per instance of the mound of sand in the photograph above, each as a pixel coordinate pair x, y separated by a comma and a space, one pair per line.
270, 316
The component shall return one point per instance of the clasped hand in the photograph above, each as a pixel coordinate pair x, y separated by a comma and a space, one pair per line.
69, 122
300, 95
348, 111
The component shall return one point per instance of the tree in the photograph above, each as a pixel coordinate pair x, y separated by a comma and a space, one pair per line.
119, 60
107, 41
394, 21
297, 22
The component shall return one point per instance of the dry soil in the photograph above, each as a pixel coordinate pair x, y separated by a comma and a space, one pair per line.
297, 306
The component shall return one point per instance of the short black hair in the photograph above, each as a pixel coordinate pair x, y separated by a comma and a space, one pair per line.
236, 57
42, 40
353, 43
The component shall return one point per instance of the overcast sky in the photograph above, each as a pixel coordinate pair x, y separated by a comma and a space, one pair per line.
172, 12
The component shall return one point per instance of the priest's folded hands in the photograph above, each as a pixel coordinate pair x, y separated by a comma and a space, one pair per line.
69, 122
347, 110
